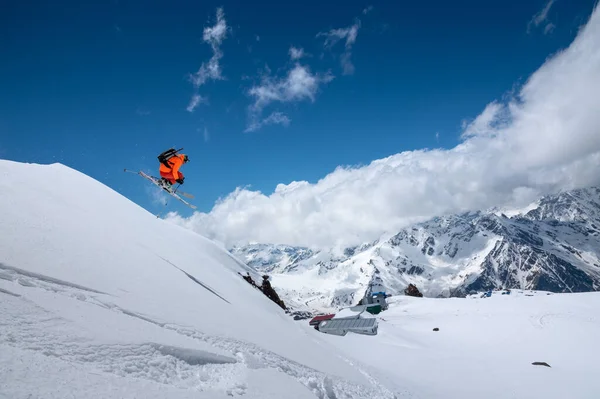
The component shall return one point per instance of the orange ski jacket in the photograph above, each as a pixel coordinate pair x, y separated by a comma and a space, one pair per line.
175, 161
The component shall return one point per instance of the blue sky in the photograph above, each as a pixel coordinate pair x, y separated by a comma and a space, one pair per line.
106, 86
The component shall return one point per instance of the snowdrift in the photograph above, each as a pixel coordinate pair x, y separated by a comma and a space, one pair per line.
100, 298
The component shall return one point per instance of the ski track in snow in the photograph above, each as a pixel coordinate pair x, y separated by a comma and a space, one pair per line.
545, 319
8, 273
28, 326
8, 292
194, 279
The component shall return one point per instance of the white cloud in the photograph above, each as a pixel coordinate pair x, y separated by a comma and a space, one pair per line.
335, 35
541, 18
488, 123
367, 10
549, 28
213, 35
276, 118
195, 101
544, 139
296, 53
298, 85
206, 135
142, 111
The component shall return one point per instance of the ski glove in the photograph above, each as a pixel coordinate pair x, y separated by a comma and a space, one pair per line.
180, 181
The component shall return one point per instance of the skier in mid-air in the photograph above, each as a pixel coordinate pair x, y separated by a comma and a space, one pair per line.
170, 162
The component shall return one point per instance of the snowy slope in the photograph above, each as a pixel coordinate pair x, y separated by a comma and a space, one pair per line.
99, 298
553, 245
485, 347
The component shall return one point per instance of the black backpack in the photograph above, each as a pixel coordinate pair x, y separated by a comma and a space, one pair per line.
166, 155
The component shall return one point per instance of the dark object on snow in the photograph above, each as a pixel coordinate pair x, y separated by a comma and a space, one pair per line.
436, 329
375, 302
268, 290
372, 304
374, 308
248, 278
540, 364
412, 290
301, 314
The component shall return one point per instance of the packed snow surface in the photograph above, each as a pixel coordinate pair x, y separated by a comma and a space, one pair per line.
486, 347
99, 298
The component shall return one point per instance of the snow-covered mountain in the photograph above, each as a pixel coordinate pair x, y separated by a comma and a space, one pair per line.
552, 245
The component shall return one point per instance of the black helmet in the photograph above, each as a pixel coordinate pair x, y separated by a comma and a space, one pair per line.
186, 159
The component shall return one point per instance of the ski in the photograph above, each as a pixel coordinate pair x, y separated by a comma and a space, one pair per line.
156, 182
170, 192
187, 195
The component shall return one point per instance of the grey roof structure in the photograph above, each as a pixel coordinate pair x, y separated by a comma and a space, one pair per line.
343, 326
355, 319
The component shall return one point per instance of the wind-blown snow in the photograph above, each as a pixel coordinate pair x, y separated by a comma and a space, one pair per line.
543, 140
100, 298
